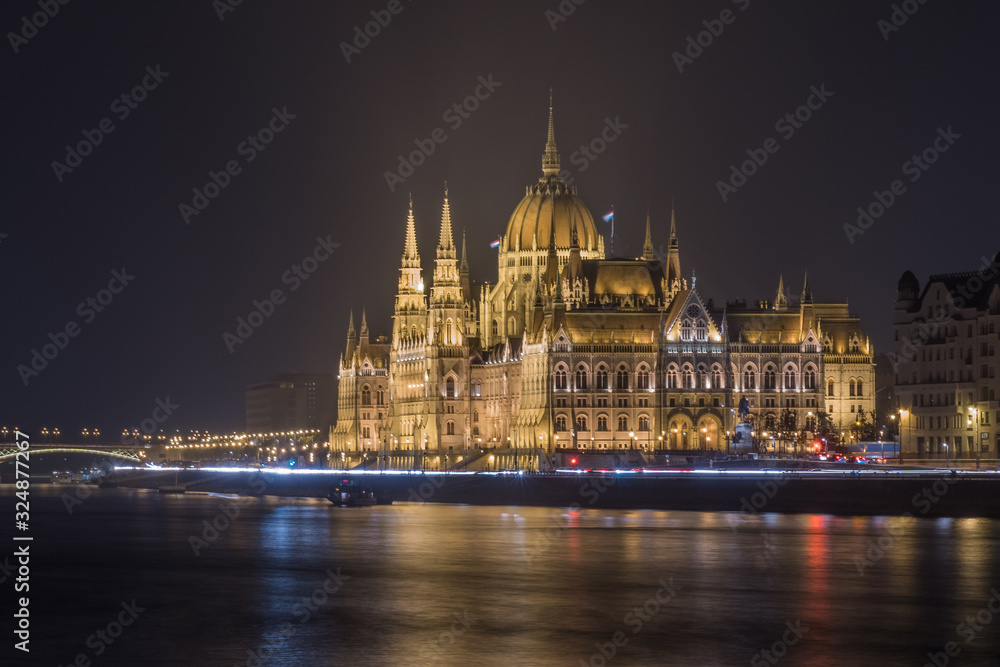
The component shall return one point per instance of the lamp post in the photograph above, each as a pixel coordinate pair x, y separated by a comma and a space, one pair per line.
979, 447
903, 414
947, 455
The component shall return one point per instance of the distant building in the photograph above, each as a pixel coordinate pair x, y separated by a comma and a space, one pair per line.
946, 340
291, 401
572, 349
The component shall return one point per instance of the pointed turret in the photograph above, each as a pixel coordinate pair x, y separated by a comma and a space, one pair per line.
781, 300
807, 295
352, 338
550, 160
463, 273
673, 251
411, 258
364, 326
411, 304
647, 247
446, 244
552, 261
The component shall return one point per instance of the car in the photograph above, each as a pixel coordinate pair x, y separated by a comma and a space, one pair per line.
858, 459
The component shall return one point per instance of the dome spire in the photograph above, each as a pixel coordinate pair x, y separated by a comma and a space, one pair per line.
550, 160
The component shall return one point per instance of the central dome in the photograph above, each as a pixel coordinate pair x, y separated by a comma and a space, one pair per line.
548, 205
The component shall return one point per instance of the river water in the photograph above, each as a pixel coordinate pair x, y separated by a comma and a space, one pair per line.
130, 577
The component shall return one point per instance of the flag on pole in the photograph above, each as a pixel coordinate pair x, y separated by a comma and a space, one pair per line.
609, 216
495, 244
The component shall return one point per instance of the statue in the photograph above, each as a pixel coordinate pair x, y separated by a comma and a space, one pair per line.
744, 409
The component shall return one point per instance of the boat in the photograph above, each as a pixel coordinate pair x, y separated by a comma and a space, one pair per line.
350, 494
61, 478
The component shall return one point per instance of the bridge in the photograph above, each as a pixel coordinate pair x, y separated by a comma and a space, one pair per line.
133, 453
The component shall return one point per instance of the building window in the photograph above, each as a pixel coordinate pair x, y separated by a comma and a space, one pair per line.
716, 379
769, 377
686, 330
622, 377
861, 391
644, 423
449, 388
789, 379
623, 423
602, 423
561, 423
581, 378
702, 330
672, 379
809, 381
749, 379
475, 431
642, 380
602, 378
496, 328
561, 379
366, 396
581, 422
475, 415
450, 430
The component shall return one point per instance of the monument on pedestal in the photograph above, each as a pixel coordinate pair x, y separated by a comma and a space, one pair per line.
743, 431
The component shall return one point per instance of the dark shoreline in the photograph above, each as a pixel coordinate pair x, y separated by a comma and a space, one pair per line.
929, 493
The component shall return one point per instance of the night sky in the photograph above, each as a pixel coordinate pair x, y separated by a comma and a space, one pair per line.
213, 82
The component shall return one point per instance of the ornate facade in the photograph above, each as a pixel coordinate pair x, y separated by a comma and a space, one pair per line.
572, 349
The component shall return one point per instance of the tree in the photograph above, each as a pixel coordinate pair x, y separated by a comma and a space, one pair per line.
825, 430
788, 430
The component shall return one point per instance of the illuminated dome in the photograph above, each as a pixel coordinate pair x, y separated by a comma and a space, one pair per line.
550, 203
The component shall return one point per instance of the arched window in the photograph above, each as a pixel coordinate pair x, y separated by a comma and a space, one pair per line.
561, 378
475, 415
769, 379
602, 423
413, 331
450, 428
449, 388
366, 432
622, 377
475, 431
809, 379
716, 378
672, 379
702, 332
642, 379
829, 387
686, 330
789, 379
380, 397
643, 423
449, 333
602, 378
581, 378
689, 379
769, 422
496, 328
852, 388
623, 422
581, 422
511, 325
861, 390
561, 423
366, 396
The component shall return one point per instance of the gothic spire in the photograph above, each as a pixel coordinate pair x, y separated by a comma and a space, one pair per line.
350, 327
781, 300
364, 324
446, 244
647, 247
673, 223
411, 258
464, 265
807, 295
550, 160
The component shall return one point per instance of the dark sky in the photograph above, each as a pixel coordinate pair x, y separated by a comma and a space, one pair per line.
323, 174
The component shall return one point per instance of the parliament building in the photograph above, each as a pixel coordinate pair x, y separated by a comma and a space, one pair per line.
570, 350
